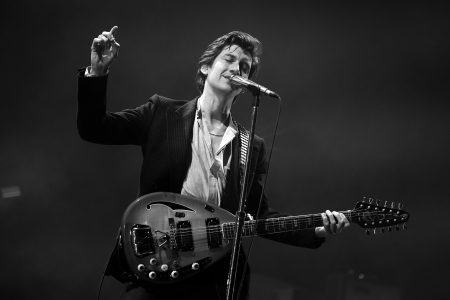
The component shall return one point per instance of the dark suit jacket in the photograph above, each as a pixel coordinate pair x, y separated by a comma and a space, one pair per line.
162, 127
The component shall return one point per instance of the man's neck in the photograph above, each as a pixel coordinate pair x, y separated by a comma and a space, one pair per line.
215, 109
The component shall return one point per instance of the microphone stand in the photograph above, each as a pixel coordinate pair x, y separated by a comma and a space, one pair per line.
231, 281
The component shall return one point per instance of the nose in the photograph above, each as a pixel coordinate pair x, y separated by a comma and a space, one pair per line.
235, 69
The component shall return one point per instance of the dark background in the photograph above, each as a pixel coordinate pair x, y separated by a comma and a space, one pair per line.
365, 90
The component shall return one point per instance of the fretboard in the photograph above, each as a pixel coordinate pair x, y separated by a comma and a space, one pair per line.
276, 225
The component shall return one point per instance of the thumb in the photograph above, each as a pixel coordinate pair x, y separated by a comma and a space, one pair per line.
114, 30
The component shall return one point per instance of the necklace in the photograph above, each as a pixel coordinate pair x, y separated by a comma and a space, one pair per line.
215, 134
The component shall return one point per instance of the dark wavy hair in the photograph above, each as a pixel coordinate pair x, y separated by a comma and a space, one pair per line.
244, 40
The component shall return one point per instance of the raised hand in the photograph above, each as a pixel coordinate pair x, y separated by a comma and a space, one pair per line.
104, 50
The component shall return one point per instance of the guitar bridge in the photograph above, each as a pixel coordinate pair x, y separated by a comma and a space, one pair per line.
142, 240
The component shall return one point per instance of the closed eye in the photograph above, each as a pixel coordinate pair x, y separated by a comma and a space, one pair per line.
229, 58
245, 68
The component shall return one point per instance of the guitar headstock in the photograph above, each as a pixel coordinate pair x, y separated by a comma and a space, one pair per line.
370, 214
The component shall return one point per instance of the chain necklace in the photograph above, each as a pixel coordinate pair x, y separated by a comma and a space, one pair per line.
215, 134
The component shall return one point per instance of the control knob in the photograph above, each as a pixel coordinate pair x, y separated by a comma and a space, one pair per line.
152, 275
141, 267
164, 267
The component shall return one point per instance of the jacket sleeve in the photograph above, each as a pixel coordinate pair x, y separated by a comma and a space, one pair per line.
302, 238
96, 124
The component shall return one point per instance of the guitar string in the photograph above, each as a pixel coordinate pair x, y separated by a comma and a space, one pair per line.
271, 224
203, 241
274, 223
283, 222
226, 231
296, 219
228, 235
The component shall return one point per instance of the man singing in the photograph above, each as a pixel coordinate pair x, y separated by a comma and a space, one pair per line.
190, 147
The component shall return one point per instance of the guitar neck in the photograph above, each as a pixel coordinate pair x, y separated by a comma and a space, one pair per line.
278, 225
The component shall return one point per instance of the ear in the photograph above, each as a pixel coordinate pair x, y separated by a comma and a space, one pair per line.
204, 69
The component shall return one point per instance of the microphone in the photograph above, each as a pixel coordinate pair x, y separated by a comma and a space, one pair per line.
250, 85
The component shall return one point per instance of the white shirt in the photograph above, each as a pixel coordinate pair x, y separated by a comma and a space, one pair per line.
206, 177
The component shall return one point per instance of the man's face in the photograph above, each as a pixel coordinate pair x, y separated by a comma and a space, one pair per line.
232, 60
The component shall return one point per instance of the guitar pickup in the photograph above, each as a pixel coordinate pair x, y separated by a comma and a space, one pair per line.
142, 240
213, 232
184, 237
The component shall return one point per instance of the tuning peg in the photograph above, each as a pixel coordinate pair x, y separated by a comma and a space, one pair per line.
383, 230
368, 231
390, 228
392, 204
377, 201
374, 231
399, 205
364, 199
404, 226
397, 228
370, 200
385, 203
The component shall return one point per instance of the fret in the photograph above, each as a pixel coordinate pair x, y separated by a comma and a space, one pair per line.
289, 224
260, 227
273, 225
227, 230
269, 225
310, 221
282, 224
247, 230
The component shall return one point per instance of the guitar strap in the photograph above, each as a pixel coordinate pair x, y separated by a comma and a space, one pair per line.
243, 140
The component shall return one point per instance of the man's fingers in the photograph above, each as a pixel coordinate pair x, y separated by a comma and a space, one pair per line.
325, 220
111, 39
339, 220
110, 34
103, 38
115, 48
346, 221
114, 30
96, 42
332, 222
106, 41
107, 35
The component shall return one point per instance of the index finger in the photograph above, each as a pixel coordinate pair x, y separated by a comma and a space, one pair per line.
114, 29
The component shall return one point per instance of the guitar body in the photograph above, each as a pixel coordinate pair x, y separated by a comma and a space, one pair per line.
168, 237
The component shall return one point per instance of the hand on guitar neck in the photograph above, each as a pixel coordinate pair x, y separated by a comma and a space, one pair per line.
334, 223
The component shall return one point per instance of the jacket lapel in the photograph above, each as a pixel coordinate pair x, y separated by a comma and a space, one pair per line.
179, 124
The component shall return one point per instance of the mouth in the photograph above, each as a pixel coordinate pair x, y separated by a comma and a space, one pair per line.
233, 85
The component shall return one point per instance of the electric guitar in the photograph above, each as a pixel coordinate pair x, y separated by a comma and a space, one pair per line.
168, 237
